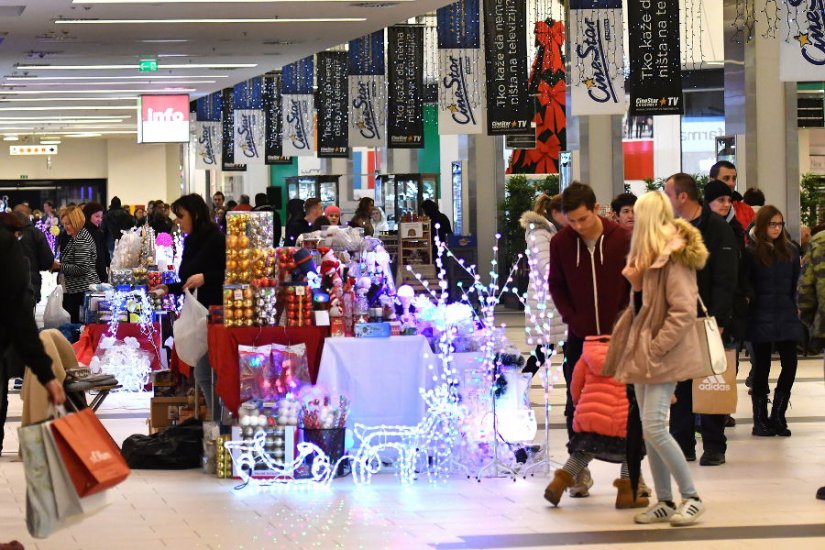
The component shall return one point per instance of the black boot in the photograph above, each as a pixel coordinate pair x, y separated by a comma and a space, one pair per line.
777, 420
761, 425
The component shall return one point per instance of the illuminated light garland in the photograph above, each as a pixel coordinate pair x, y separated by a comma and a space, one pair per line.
129, 302
125, 361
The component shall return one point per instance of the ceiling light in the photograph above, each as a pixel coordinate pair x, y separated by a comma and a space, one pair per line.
132, 77
50, 142
72, 108
219, 2
206, 21
50, 99
18, 84
57, 117
164, 41
10, 138
134, 66
40, 92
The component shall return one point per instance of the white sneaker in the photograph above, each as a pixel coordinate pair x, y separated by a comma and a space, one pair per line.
689, 510
658, 513
584, 481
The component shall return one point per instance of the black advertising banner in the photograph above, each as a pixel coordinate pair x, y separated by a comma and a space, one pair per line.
333, 104
509, 105
273, 127
405, 87
228, 123
655, 83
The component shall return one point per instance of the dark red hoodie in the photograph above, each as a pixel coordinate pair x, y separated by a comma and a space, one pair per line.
573, 270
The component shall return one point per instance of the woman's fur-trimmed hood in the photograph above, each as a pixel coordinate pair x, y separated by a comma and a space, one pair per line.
686, 247
536, 220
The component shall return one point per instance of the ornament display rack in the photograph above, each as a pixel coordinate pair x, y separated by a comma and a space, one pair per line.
415, 250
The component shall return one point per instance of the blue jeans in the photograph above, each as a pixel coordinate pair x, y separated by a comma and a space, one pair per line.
666, 458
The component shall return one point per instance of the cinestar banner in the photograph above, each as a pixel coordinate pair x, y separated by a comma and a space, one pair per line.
249, 122
208, 135
273, 152
405, 87
459, 69
297, 103
333, 119
228, 131
597, 61
367, 91
655, 61
802, 54
509, 105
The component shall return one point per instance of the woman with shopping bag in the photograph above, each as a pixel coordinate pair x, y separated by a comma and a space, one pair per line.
202, 270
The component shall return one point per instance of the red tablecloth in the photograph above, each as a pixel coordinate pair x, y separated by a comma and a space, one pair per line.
223, 353
92, 334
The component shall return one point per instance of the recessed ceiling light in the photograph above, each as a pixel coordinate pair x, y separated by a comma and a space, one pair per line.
51, 99
164, 41
10, 138
50, 142
134, 66
40, 92
117, 118
18, 84
72, 108
206, 21
133, 77
218, 1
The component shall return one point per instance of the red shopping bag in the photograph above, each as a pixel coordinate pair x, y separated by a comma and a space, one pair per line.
91, 457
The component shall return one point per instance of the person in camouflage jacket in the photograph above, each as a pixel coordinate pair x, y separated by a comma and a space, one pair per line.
812, 291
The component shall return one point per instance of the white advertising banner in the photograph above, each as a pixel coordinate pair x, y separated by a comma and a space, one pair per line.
298, 125
460, 95
367, 110
249, 137
802, 53
596, 62
208, 145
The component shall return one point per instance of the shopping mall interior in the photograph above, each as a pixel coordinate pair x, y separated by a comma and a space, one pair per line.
480, 107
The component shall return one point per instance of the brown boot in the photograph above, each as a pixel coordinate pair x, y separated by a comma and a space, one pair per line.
561, 481
644, 490
624, 498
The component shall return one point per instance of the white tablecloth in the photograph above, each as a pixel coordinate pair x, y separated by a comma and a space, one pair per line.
380, 376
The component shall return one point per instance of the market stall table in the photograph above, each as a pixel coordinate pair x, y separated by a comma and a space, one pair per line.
223, 353
380, 377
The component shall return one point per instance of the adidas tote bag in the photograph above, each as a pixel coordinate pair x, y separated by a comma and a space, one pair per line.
716, 393
711, 348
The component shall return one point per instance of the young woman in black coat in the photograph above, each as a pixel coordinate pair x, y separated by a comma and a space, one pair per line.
94, 218
772, 267
202, 268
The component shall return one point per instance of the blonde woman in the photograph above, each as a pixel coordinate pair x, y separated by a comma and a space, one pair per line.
78, 261
655, 344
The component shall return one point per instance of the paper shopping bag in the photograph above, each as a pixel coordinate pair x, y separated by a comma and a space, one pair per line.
66, 500
91, 457
716, 394
41, 509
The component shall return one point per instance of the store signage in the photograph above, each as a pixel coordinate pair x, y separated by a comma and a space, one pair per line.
248, 127
405, 87
148, 65
509, 104
163, 119
597, 64
802, 53
228, 133
655, 63
208, 133
25, 150
367, 91
460, 96
333, 119
297, 109
273, 151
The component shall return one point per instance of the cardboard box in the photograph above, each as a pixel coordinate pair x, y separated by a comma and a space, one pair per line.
290, 437
164, 409
372, 330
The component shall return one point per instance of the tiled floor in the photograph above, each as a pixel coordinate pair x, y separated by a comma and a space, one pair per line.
762, 498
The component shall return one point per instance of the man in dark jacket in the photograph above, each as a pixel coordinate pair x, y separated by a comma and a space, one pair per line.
35, 248
262, 205
717, 287
115, 222
17, 325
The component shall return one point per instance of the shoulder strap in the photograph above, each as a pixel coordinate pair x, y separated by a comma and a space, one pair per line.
702, 305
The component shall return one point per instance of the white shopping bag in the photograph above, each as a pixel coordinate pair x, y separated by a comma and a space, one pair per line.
55, 316
190, 330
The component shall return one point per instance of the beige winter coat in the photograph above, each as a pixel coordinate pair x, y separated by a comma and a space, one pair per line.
660, 343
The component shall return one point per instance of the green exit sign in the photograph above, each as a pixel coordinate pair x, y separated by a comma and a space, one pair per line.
148, 65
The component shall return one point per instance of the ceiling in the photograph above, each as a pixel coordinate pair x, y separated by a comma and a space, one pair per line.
30, 36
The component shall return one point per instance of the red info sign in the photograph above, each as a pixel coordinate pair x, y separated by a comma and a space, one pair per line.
164, 119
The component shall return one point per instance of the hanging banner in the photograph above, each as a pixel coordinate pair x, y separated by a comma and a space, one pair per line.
802, 53
273, 152
597, 62
655, 65
333, 119
249, 122
367, 91
405, 87
297, 105
509, 106
459, 69
228, 131
208, 135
